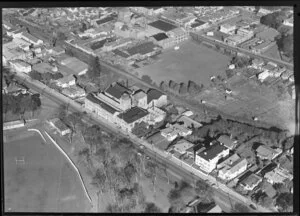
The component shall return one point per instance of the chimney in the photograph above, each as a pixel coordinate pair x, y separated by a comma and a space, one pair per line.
205, 153
230, 162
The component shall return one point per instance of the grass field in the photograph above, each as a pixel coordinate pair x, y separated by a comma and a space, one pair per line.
46, 182
191, 62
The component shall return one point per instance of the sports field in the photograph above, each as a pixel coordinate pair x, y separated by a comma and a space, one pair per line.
37, 178
191, 62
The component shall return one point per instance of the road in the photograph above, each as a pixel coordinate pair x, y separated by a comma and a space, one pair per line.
240, 50
171, 163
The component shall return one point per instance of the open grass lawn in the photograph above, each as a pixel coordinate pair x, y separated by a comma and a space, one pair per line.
191, 62
46, 182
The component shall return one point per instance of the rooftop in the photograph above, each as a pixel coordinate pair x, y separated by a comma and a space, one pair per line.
182, 145
161, 25
266, 151
117, 90
212, 151
160, 36
30, 37
102, 104
229, 143
139, 94
105, 20
133, 114
197, 23
120, 53
142, 49
59, 124
74, 64
252, 179
153, 94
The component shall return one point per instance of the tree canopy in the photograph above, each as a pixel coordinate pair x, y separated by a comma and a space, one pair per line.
94, 68
285, 44
152, 208
273, 20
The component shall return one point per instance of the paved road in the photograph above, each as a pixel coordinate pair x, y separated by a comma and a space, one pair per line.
181, 168
238, 49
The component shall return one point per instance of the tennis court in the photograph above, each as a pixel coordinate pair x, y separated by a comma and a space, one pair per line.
37, 178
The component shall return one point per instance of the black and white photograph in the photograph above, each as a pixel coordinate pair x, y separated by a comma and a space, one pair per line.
149, 109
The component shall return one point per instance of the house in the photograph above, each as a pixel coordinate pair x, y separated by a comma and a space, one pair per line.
250, 182
10, 53
227, 141
60, 126
289, 22
140, 99
156, 98
66, 81
78, 67
207, 158
278, 175
30, 38
267, 153
4, 86
232, 167
228, 28
257, 64
174, 130
188, 122
94, 104
73, 92
130, 117
13, 124
20, 66
169, 133
182, 146
263, 75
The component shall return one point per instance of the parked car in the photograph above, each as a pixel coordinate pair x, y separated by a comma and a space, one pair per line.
252, 206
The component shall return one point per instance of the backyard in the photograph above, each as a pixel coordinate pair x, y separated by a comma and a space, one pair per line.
191, 62
42, 180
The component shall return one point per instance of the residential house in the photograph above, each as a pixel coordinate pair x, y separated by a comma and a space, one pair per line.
169, 133
228, 28
269, 190
182, 146
232, 167
207, 158
20, 66
285, 75
263, 75
60, 127
251, 182
257, 64
289, 22
66, 81
267, 153
278, 175
156, 98
129, 118
227, 141
188, 122
174, 130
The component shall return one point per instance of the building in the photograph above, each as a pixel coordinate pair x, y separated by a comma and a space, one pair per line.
163, 40
20, 66
30, 38
207, 158
289, 22
267, 153
234, 40
278, 175
78, 67
245, 32
232, 167
117, 96
172, 131
156, 98
156, 115
228, 28
188, 122
178, 35
66, 81
57, 50
94, 104
262, 76
182, 146
43, 67
251, 181
227, 141
60, 127
263, 47
139, 98
162, 25
257, 64
197, 25
129, 118
142, 50
73, 92
13, 124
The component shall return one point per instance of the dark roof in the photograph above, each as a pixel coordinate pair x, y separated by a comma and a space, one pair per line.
160, 36
105, 20
142, 49
133, 114
197, 23
59, 124
120, 53
204, 207
212, 151
117, 90
161, 25
153, 94
105, 106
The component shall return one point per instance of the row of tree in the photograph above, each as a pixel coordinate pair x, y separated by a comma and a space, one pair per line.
190, 88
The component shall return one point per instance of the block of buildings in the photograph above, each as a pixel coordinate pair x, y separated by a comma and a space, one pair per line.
267, 153
156, 98
232, 167
20, 66
207, 158
129, 118
251, 182
227, 141
60, 127
148, 11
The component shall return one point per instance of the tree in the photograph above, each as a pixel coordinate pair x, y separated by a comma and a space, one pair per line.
99, 180
273, 20
193, 88
62, 112
152, 208
129, 171
140, 129
61, 37
238, 207
147, 79
285, 44
93, 138
57, 76
285, 202
183, 89
94, 68
35, 75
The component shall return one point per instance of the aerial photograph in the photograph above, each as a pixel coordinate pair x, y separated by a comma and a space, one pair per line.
170, 109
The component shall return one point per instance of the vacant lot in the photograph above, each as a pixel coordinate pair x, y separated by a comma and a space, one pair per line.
46, 182
191, 62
